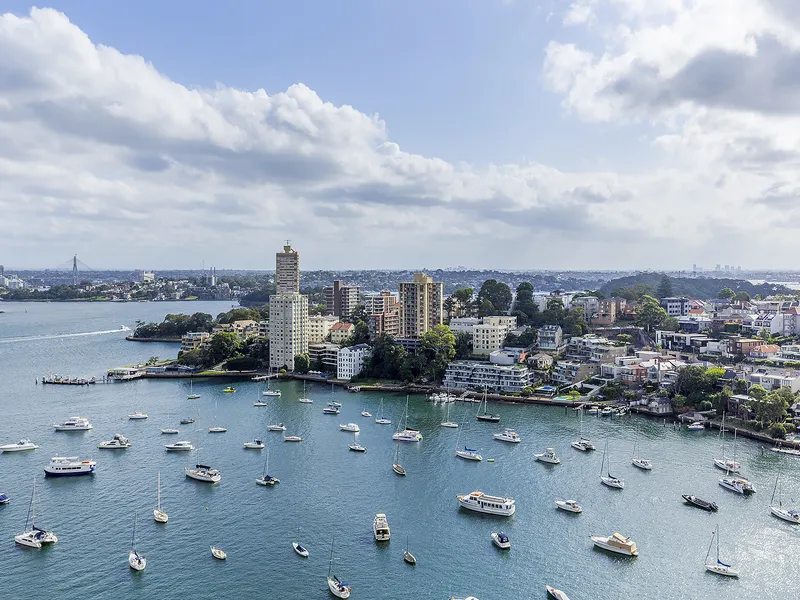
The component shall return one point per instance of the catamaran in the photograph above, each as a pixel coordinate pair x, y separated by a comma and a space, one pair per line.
608, 479
136, 561
582, 444
35, 536
407, 435
725, 463
718, 567
381, 420
159, 516
778, 510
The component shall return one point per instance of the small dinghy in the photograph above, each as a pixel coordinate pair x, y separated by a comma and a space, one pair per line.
700, 503
218, 553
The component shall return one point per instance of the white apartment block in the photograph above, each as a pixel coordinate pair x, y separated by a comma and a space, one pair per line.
490, 335
463, 324
325, 354
773, 380
350, 361
193, 340
676, 307
319, 327
288, 329
470, 374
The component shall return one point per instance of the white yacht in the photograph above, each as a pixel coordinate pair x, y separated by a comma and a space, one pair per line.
507, 435
548, 456
696, 426
582, 444
608, 479
203, 473
74, 424
169, 431
606, 412
407, 435
137, 415
159, 516
258, 403
380, 419
254, 445
469, 454
336, 586
119, 442
182, 446
136, 561
273, 393
34, 536
778, 510
501, 540
265, 478
192, 395
331, 410
304, 399
493, 505
352, 427
366, 413
276, 427
63, 466
569, 506
616, 542
335, 403
555, 593
292, 438
20, 446
718, 567
740, 485
380, 528
636, 457
217, 430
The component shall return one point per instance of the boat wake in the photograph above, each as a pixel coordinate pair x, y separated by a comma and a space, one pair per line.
33, 338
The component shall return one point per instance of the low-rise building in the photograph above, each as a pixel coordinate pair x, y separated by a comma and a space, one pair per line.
319, 327
764, 351
350, 360
491, 333
263, 329
551, 338
606, 313
540, 361
774, 379
465, 324
566, 372
325, 355
193, 340
788, 353
676, 307
594, 348
341, 331
477, 375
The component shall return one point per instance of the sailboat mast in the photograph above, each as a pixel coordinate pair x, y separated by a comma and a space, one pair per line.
330, 561
158, 494
133, 535
710, 544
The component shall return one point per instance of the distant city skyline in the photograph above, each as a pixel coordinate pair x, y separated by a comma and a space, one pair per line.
508, 134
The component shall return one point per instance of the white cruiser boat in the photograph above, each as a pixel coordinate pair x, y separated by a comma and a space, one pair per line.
366, 413
548, 456
335, 403
352, 427
277, 427
569, 506
616, 543
493, 505
380, 528
718, 567
273, 393
407, 435
203, 473
20, 446
501, 540
137, 415
63, 466
508, 435
606, 412
254, 445
469, 454
119, 442
74, 424
331, 410
169, 431
182, 446
740, 485
217, 430
696, 426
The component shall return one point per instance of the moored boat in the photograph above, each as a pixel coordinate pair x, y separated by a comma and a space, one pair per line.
718, 567
169, 431
182, 446
276, 427
203, 473
494, 505
380, 528
548, 456
218, 553
352, 427
118, 442
137, 415
254, 445
617, 543
500, 539
64, 466
507, 435
74, 424
20, 446
740, 485
700, 503
556, 594
569, 506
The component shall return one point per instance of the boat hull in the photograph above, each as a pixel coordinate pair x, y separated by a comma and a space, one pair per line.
786, 515
449, 424
338, 589
602, 545
53, 473
398, 469
568, 507
555, 594
613, 482
723, 570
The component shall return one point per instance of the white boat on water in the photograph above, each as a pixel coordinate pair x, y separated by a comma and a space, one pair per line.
501, 540
786, 451
265, 478
203, 473
20, 446
302, 551
352, 427
258, 403
304, 399
696, 426
407, 556
118, 442
608, 479
617, 543
636, 458
331, 409
74, 424
33, 536
270, 392
469, 454
493, 505
606, 412
582, 444
217, 429
555, 593
192, 395
337, 587
740, 485
276, 427
355, 446
64, 466
182, 446
787, 514
407, 435
137, 415
218, 553
169, 431
569, 506
718, 567
447, 422
159, 516
548, 456
292, 438
254, 445
380, 528
136, 561
507, 435
380, 419
396, 466
725, 463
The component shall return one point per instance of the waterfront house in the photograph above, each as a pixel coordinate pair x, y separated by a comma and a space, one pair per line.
764, 351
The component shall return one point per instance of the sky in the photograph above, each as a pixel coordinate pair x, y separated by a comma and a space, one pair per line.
511, 134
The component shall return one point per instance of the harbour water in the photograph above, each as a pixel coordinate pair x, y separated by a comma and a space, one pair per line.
327, 493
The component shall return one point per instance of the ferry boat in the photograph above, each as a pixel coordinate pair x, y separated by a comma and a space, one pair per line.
508, 435
20, 446
63, 466
182, 446
119, 442
74, 424
617, 543
493, 505
380, 528
203, 473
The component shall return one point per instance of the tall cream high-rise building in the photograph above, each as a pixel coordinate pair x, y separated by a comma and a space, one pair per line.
420, 305
287, 270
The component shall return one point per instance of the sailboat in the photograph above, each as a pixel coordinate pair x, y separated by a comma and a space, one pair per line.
35, 536
636, 458
447, 422
135, 560
786, 514
337, 587
266, 479
467, 453
396, 467
355, 446
608, 479
718, 567
486, 416
216, 428
159, 516
725, 463
582, 443
407, 556
268, 391
364, 411
192, 395
303, 398
298, 547
407, 435
381, 420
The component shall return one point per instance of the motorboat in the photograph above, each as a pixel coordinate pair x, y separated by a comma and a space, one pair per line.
352, 427
136, 561
118, 442
169, 431
337, 587
790, 515
507, 435
229, 390
292, 438
335, 403
203, 473
592, 410
74, 424
700, 503
380, 419
272, 393
493, 505
606, 412
569, 506
187, 421
218, 553
4, 499
182, 446
276, 427
548, 456
501, 540
217, 429
63, 466
696, 426
20, 446
300, 549
469, 454
266, 479
396, 466
331, 410
366, 413
718, 567
608, 479
254, 445
740, 485
137, 415
556, 594
380, 528
159, 516
616, 542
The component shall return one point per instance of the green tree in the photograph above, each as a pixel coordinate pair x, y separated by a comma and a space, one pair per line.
726, 294
525, 309
650, 314
302, 364
742, 297
386, 359
664, 287
555, 312
496, 292
486, 308
152, 360
223, 346
739, 386
463, 345
574, 322
438, 348
192, 358
758, 392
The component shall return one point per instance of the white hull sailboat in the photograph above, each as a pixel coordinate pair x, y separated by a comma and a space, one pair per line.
636, 458
467, 453
265, 478
718, 567
396, 466
305, 399
192, 395
270, 392
381, 420
582, 444
792, 516
725, 463
608, 479
159, 516
337, 587
407, 435
136, 561
447, 422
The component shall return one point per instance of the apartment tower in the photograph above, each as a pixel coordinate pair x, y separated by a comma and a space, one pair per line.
287, 270
288, 312
420, 306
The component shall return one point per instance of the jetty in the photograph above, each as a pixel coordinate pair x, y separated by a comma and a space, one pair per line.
62, 380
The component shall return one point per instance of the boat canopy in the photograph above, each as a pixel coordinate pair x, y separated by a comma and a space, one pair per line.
203, 467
